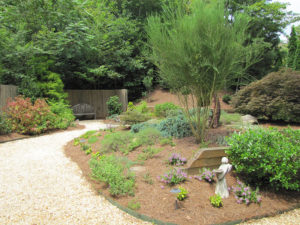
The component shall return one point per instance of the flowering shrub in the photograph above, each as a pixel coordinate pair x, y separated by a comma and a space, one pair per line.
206, 174
177, 160
244, 194
28, 118
173, 177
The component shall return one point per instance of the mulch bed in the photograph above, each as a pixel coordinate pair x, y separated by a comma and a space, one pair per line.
157, 202
16, 136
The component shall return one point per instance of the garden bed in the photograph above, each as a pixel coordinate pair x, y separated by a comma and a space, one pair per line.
153, 198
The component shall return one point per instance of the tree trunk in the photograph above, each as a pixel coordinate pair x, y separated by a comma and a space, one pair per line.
215, 122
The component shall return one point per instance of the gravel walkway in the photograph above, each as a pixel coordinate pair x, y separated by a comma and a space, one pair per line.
40, 185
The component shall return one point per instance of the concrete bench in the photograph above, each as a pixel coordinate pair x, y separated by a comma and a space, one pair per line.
83, 109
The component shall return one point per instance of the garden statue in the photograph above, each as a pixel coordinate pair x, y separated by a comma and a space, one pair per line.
221, 187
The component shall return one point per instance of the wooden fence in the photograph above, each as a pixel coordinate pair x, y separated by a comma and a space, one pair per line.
7, 91
97, 98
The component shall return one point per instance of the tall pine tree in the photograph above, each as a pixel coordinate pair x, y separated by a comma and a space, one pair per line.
292, 47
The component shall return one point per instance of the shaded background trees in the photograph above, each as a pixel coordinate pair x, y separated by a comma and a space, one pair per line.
100, 44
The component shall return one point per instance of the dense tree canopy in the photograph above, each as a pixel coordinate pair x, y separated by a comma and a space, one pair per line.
100, 44
268, 20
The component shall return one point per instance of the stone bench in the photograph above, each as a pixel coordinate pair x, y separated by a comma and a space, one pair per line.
83, 109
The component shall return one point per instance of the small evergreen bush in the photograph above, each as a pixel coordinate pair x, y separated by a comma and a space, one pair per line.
114, 105
267, 157
176, 126
161, 110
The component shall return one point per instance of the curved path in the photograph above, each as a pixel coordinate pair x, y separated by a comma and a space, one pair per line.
40, 185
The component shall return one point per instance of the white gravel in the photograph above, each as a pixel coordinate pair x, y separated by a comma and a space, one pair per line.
40, 185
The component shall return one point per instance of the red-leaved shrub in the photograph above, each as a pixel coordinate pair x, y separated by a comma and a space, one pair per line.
28, 118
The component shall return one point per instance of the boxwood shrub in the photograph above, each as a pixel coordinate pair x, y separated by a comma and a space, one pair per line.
267, 157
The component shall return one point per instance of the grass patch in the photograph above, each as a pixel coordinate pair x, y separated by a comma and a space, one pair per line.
148, 153
88, 134
228, 118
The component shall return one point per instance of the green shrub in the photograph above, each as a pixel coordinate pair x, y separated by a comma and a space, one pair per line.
226, 99
117, 141
275, 97
114, 105
183, 194
5, 125
134, 117
161, 110
142, 107
216, 201
113, 171
30, 118
64, 114
267, 157
177, 127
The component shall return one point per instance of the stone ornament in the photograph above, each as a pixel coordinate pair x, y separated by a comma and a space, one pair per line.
221, 187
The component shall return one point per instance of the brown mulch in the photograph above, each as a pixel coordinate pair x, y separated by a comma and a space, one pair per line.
16, 136
156, 200
160, 96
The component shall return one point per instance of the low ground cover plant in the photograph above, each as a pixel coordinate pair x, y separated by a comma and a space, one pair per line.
267, 157
176, 160
173, 126
244, 194
227, 118
115, 172
116, 141
174, 176
216, 201
134, 204
183, 194
148, 153
206, 175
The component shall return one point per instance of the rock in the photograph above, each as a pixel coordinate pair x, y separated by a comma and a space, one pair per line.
248, 119
138, 169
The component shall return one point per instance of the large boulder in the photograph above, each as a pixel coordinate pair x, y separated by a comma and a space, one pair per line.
275, 97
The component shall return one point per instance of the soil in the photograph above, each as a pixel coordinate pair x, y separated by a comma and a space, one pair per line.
16, 136
156, 200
